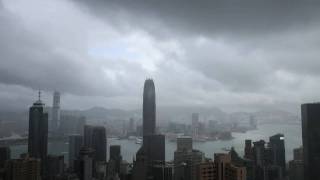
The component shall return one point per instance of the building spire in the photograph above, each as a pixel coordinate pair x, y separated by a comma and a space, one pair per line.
39, 95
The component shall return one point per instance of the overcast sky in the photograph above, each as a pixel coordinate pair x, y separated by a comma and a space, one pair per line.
237, 55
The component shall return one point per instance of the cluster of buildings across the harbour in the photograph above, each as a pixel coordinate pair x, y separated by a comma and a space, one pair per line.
88, 154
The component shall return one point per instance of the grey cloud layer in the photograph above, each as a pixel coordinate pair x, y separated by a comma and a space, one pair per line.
250, 53
248, 17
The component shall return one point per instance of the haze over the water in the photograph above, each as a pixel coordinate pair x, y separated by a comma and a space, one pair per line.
244, 55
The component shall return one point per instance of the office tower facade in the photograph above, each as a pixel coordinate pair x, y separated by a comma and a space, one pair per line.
186, 164
184, 143
55, 167
115, 158
23, 169
84, 167
95, 138
226, 169
55, 122
248, 149
161, 171
4, 155
310, 114
38, 131
276, 144
153, 146
296, 165
149, 108
208, 171
298, 154
195, 125
75, 144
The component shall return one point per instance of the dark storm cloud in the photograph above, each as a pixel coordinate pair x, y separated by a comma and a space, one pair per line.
222, 53
232, 17
29, 61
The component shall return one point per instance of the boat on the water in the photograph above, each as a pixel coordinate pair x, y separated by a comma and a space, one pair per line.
138, 141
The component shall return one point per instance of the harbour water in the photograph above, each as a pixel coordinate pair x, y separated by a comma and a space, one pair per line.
292, 134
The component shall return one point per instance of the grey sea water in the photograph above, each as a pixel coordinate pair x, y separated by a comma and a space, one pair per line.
292, 134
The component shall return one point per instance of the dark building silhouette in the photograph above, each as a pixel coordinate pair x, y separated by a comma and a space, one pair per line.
310, 114
296, 165
276, 143
75, 144
248, 150
38, 131
4, 155
161, 171
115, 159
152, 150
55, 167
84, 165
149, 108
23, 169
95, 138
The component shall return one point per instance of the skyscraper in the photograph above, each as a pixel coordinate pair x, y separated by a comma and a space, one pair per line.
149, 108
38, 131
55, 123
310, 114
115, 158
195, 125
75, 144
85, 164
95, 138
153, 147
278, 151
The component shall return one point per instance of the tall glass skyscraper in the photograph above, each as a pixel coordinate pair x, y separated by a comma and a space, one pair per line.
152, 150
149, 108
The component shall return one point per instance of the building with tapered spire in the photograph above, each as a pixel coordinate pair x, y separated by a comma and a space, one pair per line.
149, 108
152, 150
